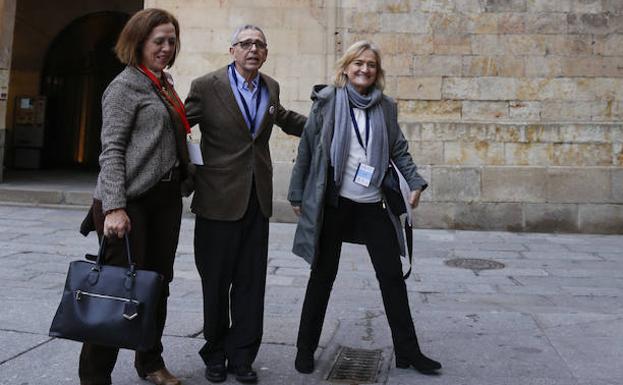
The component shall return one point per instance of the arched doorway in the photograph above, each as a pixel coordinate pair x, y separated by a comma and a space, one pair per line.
79, 64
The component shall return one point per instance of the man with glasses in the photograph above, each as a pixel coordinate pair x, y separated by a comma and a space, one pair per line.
235, 107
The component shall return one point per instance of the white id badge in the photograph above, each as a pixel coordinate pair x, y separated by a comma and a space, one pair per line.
194, 153
363, 175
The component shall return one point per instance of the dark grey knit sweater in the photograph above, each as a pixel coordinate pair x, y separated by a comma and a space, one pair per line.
138, 143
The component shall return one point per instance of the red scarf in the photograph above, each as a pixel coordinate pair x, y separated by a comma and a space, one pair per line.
177, 103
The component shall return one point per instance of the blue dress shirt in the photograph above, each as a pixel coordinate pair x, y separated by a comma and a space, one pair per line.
250, 97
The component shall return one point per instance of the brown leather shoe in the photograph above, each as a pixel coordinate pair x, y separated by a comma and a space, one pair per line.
162, 377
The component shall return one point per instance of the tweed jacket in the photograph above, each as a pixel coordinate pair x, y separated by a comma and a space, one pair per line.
233, 158
138, 139
309, 180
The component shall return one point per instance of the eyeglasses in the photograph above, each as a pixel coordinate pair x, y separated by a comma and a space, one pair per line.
247, 44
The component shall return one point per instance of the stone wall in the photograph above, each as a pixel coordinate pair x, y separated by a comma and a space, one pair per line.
513, 108
301, 52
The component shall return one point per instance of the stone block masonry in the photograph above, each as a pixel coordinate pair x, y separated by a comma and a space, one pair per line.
513, 108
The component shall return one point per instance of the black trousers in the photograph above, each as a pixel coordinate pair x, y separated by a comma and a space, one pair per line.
155, 218
231, 258
372, 223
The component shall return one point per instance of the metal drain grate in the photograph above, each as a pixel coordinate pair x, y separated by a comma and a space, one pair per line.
475, 264
359, 366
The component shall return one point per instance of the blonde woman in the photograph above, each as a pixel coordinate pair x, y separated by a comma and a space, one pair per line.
350, 137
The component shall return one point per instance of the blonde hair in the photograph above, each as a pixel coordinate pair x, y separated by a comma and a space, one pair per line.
350, 55
132, 38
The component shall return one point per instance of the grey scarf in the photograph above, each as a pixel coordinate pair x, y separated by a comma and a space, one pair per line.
378, 149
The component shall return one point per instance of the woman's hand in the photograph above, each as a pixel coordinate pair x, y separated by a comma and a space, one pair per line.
297, 210
117, 223
414, 199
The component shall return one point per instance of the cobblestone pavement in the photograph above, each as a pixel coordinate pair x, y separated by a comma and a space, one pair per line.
551, 316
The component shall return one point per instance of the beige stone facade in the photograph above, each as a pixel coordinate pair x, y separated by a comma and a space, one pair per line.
513, 108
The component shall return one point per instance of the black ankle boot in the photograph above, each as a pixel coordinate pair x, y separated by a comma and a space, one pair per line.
304, 361
419, 361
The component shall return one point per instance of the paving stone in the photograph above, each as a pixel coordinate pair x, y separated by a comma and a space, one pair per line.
184, 311
609, 256
437, 287
476, 323
493, 246
563, 264
592, 352
14, 343
597, 246
58, 363
545, 290
545, 246
514, 272
486, 254
569, 255
6, 252
32, 314
483, 285
592, 291
541, 320
581, 273
36, 230
584, 303
594, 381
526, 354
554, 320
558, 281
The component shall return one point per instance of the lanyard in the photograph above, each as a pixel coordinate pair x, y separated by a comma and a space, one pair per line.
244, 103
352, 116
179, 106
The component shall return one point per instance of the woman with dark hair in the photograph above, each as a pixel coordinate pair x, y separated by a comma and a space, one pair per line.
350, 139
143, 162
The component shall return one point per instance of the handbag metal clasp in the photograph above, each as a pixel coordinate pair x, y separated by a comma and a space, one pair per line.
130, 310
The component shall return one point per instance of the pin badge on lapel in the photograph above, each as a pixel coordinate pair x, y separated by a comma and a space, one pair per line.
271, 110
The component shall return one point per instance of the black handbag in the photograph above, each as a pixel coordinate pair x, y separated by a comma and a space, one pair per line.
109, 305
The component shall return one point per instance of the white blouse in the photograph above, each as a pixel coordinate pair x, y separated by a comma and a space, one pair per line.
356, 154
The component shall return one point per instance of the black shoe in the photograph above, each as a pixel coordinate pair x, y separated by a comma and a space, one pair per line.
244, 373
420, 362
304, 361
216, 372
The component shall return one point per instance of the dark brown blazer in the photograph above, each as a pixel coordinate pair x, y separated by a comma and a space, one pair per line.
232, 157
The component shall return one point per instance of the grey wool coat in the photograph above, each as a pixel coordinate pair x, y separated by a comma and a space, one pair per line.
308, 182
138, 140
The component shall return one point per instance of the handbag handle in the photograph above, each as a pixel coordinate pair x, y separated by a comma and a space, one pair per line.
100, 254
130, 308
